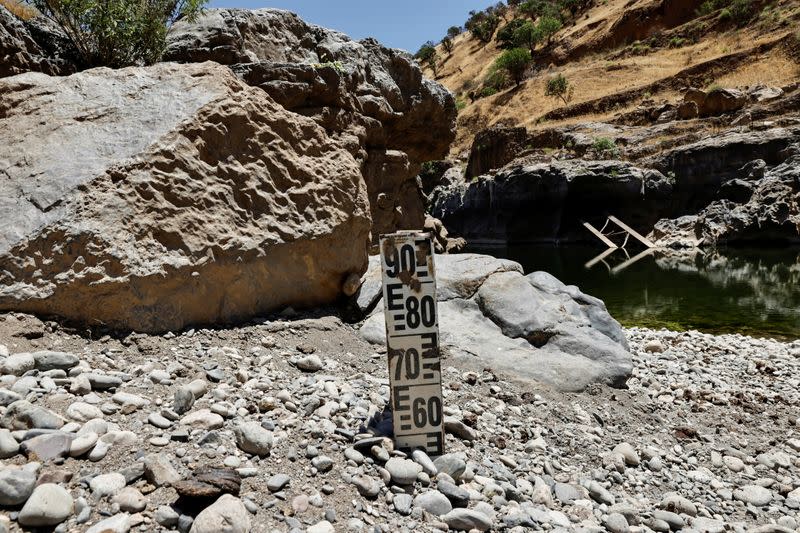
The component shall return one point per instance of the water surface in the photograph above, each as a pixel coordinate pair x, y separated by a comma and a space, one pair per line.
748, 291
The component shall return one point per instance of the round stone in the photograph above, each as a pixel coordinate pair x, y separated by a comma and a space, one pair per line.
49, 505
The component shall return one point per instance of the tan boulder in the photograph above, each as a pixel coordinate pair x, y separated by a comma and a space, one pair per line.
155, 198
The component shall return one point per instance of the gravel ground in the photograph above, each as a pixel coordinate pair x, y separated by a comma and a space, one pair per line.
705, 437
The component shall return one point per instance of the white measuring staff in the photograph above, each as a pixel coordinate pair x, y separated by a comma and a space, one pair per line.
412, 340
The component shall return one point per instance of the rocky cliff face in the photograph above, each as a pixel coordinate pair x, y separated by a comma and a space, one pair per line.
152, 198
369, 97
31, 46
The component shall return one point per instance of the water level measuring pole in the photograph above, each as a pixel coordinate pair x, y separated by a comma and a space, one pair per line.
412, 340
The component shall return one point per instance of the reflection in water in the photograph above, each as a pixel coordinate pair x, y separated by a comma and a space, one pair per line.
755, 292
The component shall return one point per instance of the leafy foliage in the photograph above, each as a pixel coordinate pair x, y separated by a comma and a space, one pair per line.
559, 87
505, 35
606, 147
548, 26
453, 31
427, 55
447, 44
515, 63
118, 33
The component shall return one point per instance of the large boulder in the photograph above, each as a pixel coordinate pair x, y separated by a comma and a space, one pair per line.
374, 99
531, 328
546, 202
153, 198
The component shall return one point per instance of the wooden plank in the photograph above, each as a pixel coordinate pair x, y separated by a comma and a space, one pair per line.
608, 242
632, 231
599, 258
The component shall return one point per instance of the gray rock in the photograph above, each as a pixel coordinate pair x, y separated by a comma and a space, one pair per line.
47, 360
119, 523
628, 453
616, 523
466, 520
457, 428
489, 310
159, 471
434, 502
402, 503
226, 515
367, 486
322, 463
9, 447
159, 421
183, 401
166, 516
458, 496
16, 485
309, 363
754, 495
599, 493
451, 464
278, 482
103, 381
678, 504
48, 446
49, 505
403, 471
8, 397
130, 500
107, 484
17, 364
566, 493
252, 438
424, 461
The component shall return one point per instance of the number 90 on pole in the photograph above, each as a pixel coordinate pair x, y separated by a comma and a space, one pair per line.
412, 339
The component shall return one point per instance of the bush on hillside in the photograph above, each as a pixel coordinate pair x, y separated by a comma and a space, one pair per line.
453, 31
605, 147
118, 33
447, 44
506, 35
427, 55
548, 26
559, 87
515, 63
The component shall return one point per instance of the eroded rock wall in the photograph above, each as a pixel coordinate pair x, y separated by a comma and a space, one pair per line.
154, 198
372, 98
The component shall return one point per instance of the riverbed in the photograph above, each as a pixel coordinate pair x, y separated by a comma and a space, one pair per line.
749, 291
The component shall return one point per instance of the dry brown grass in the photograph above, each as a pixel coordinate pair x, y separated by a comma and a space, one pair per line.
20, 9
598, 75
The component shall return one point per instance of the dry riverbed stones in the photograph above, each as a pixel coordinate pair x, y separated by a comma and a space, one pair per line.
132, 434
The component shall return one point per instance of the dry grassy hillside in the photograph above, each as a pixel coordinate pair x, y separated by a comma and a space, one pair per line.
620, 53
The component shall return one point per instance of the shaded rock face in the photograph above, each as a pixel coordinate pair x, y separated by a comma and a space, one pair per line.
31, 46
548, 202
153, 198
770, 215
372, 99
533, 328
493, 148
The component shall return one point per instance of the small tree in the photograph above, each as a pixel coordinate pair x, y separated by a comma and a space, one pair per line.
559, 87
447, 44
548, 26
528, 35
427, 55
515, 62
453, 32
505, 35
118, 33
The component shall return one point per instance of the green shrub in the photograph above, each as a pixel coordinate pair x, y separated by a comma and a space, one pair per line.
548, 26
487, 91
453, 31
559, 87
505, 35
605, 146
460, 104
427, 56
515, 63
447, 44
496, 80
118, 33
528, 35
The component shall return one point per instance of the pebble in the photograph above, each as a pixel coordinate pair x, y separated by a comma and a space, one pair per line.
130, 500
119, 523
9, 447
367, 486
434, 502
49, 505
754, 495
252, 438
107, 484
17, 483
466, 520
403, 471
227, 514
